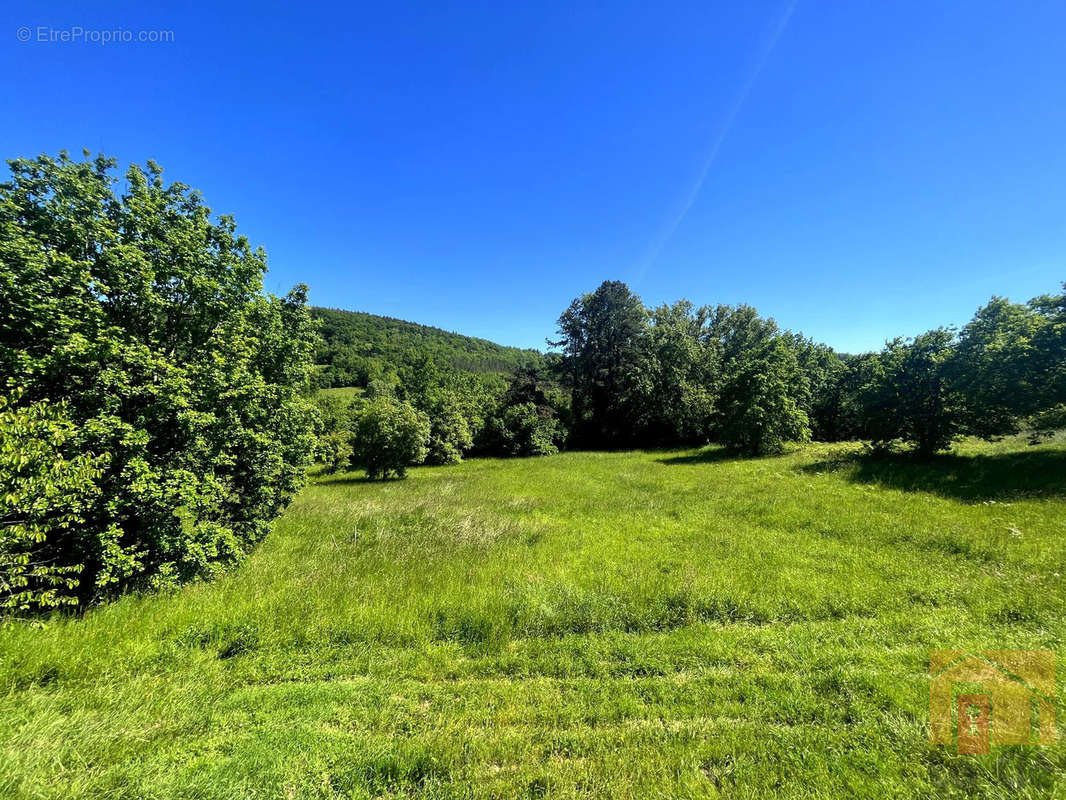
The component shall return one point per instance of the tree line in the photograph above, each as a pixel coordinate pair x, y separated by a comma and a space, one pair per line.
629, 376
678, 374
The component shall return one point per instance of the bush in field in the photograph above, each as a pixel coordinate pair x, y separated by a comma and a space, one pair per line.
388, 436
169, 395
334, 450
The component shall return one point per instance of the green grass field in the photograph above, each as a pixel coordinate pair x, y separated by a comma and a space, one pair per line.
345, 393
647, 624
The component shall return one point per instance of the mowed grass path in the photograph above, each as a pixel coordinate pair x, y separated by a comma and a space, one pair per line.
649, 624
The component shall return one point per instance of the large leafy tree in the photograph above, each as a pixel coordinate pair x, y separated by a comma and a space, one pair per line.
184, 387
824, 400
1049, 342
684, 375
529, 420
603, 336
911, 394
996, 367
763, 390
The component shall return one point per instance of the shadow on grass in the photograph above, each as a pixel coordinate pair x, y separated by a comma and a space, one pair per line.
713, 455
971, 479
326, 479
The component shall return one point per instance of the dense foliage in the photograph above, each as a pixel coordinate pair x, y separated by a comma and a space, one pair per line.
680, 374
529, 420
41, 492
389, 434
910, 395
358, 348
629, 376
158, 412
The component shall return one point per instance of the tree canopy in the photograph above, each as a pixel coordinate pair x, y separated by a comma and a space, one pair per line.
171, 396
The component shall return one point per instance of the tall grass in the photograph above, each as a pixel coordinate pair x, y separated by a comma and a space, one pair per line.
640, 624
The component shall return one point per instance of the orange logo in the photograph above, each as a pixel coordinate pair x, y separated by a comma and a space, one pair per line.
994, 697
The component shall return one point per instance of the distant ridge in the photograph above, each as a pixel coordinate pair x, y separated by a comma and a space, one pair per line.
359, 347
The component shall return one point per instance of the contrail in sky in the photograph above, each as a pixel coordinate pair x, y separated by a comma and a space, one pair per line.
693, 192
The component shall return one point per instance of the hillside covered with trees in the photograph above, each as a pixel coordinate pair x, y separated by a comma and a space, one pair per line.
357, 348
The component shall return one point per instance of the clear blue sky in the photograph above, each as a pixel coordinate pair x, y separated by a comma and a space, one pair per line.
856, 170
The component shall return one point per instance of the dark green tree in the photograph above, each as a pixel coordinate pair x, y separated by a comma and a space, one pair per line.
824, 401
603, 336
996, 368
528, 420
910, 394
763, 391
1049, 343
334, 447
684, 375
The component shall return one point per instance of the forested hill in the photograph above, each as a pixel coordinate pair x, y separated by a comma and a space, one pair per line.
359, 347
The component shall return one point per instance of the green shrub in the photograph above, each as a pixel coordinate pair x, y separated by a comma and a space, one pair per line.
449, 435
523, 429
389, 435
335, 450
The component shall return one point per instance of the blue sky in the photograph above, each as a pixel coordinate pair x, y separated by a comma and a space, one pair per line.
857, 170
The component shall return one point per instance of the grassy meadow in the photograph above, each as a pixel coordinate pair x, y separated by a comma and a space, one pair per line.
630, 624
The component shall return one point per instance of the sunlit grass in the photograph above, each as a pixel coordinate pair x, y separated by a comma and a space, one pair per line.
640, 624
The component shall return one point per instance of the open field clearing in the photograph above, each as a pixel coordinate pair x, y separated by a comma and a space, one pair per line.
632, 624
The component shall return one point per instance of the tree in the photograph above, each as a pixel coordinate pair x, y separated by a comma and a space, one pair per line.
143, 319
389, 435
910, 395
1049, 343
763, 391
523, 429
449, 434
603, 336
995, 367
824, 401
529, 419
333, 447
684, 376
